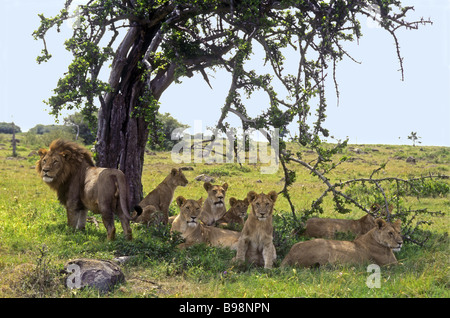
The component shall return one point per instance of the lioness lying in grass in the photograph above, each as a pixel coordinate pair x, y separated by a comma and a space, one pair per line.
328, 228
375, 246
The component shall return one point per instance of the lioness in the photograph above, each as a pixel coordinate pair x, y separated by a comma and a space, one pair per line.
187, 223
256, 242
214, 207
327, 228
376, 246
155, 206
235, 216
68, 169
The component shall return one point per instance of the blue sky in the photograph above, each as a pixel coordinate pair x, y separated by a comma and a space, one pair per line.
375, 107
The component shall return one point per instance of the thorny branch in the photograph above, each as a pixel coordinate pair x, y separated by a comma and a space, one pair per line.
408, 228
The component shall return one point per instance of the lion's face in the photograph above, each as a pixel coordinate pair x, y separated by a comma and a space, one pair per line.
262, 204
239, 207
178, 177
216, 193
190, 210
51, 165
62, 160
388, 234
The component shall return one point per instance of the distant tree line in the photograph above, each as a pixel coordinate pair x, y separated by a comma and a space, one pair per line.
82, 130
7, 128
167, 125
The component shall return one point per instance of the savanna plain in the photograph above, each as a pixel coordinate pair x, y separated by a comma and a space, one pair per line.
35, 241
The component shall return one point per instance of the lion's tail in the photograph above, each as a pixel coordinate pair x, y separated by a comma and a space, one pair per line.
124, 197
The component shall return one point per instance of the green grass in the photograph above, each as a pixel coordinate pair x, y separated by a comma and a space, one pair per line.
35, 241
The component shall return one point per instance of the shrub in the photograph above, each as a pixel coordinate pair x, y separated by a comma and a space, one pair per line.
226, 170
425, 188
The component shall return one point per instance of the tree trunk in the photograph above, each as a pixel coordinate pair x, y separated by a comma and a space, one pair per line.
122, 133
122, 143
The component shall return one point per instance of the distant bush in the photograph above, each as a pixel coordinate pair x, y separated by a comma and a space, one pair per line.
216, 172
33, 140
286, 232
7, 128
40, 129
425, 188
226, 170
167, 124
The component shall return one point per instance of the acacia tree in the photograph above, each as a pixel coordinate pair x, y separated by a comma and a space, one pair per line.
165, 40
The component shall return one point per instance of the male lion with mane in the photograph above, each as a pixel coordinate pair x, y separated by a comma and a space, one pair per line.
194, 232
375, 246
68, 169
256, 242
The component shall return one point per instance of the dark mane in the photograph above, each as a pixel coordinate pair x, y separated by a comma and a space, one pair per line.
72, 175
77, 153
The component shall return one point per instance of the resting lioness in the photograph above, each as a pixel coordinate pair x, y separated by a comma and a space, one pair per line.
328, 228
256, 241
235, 216
155, 206
187, 223
375, 246
214, 207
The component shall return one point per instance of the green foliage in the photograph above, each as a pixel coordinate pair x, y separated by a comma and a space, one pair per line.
194, 35
74, 125
40, 129
414, 138
7, 128
147, 109
368, 193
168, 124
227, 169
287, 232
84, 129
43, 135
155, 243
80, 85
424, 188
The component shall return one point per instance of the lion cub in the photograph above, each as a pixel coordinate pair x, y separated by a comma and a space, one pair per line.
376, 246
187, 223
236, 214
155, 206
256, 242
214, 206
